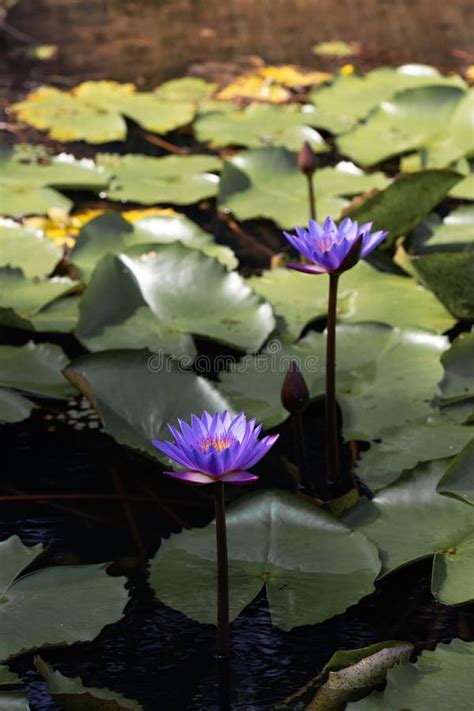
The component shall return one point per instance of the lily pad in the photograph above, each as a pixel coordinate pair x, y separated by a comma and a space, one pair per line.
27, 249
186, 291
186, 89
435, 680
400, 301
401, 449
94, 111
410, 120
68, 603
267, 533
385, 377
26, 186
259, 125
458, 380
266, 182
137, 393
351, 98
456, 139
410, 520
110, 233
456, 230
11, 699
21, 299
403, 204
181, 180
32, 368
347, 676
72, 695
458, 480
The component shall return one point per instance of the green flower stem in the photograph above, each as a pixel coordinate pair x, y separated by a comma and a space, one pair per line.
332, 449
300, 448
223, 633
311, 196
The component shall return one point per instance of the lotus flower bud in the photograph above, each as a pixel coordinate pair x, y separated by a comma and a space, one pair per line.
307, 159
294, 392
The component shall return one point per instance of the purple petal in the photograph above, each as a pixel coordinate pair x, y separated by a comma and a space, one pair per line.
372, 242
306, 268
173, 452
257, 454
194, 477
238, 477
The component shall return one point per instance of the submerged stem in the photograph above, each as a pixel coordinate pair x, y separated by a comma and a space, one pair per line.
332, 449
223, 634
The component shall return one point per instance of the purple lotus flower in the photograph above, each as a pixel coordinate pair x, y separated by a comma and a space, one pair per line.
216, 448
332, 249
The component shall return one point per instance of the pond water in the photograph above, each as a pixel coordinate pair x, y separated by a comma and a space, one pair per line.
150, 40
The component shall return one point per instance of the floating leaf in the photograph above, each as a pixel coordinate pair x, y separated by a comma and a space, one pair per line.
434, 682
352, 97
177, 179
336, 48
443, 259
400, 449
268, 533
456, 139
26, 187
289, 75
259, 125
68, 603
266, 182
386, 377
186, 291
403, 204
153, 391
21, 299
347, 676
409, 520
72, 695
464, 190
110, 233
93, 111
458, 381
400, 301
255, 87
458, 480
11, 699
186, 89
27, 249
411, 120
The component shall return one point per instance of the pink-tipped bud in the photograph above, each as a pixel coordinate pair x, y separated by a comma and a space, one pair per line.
294, 392
307, 159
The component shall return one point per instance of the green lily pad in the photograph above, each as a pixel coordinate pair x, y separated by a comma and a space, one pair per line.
138, 393
410, 520
412, 119
72, 695
401, 449
464, 190
11, 699
403, 204
385, 377
351, 98
27, 186
267, 533
68, 603
458, 381
434, 682
456, 139
373, 702
181, 180
60, 316
399, 302
21, 299
259, 125
32, 368
347, 676
443, 259
110, 233
458, 480
186, 89
93, 111
27, 249
187, 292
266, 182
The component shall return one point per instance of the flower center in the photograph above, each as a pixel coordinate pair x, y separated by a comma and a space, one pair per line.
218, 443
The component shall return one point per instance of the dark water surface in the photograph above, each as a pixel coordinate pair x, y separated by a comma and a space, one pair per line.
150, 40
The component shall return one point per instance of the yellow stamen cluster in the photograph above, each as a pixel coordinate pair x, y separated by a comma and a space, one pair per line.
218, 443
